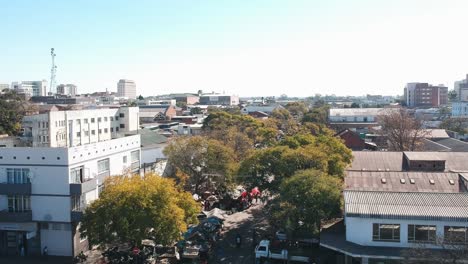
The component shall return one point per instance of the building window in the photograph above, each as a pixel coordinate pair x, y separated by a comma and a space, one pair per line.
77, 175
78, 122
103, 166
106, 130
92, 120
116, 129
78, 134
112, 130
19, 203
456, 234
99, 119
111, 118
105, 119
116, 118
86, 133
100, 131
122, 125
18, 176
93, 132
124, 159
135, 160
75, 202
86, 120
386, 232
421, 233
121, 115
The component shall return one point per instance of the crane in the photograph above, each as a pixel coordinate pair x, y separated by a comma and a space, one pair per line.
53, 72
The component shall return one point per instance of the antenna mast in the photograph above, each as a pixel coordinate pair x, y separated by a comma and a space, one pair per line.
53, 72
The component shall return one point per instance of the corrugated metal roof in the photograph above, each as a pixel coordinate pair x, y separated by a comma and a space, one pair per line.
377, 160
372, 181
393, 161
407, 205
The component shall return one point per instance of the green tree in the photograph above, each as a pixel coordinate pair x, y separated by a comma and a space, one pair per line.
13, 108
140, 97
317, 115
306, 199
354, 105
207, 162
196, 111
297, 108
452, 95
456, 124
131, 209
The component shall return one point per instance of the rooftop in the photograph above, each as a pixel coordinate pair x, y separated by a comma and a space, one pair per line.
407, 205
359, 111
444, 182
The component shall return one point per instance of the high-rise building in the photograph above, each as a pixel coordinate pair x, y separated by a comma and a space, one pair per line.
30, 88
126, 88
67, 89
425, 95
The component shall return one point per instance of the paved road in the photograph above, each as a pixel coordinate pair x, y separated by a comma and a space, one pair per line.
242, 223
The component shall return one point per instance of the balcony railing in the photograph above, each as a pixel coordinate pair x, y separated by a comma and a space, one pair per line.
15, 188
7, 216
84, 187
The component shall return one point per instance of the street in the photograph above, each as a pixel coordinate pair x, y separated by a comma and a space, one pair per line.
242, 223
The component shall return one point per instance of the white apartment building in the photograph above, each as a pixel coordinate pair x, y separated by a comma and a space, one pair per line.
126, 88
31, 88
45, 186
67, 89
44, 190
78, 127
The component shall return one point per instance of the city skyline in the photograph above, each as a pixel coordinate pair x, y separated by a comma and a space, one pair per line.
248, 49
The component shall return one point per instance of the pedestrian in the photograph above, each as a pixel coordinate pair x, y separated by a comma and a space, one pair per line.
238, 240
45, 252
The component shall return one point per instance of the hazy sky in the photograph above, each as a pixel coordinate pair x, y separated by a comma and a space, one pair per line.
243, 47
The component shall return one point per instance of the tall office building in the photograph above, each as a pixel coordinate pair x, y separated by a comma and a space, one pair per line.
425, 95
31, 88
67, 89
126, 88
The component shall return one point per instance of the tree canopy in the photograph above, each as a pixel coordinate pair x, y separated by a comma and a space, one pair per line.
307, 198
131, 209
13, 108
206, 162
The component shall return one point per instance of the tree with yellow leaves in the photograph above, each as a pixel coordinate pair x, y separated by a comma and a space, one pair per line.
131, 209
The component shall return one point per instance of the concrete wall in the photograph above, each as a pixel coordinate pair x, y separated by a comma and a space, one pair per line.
58, 242
359, 230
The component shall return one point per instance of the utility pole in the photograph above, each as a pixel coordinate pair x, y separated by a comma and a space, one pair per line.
53, 72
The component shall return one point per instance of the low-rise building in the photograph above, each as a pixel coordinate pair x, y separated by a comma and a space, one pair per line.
154, 113
396, 201
219, 99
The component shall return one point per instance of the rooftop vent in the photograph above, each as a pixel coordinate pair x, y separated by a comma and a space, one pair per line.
383, 180
387, 169
402, 181
412, 181
379, 169
452, 182
363, 169
432, 182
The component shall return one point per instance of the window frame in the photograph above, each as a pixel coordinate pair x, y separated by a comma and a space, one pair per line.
413, 229
377, 236
449, 240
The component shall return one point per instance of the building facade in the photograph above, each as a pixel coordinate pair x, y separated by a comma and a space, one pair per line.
44, 190
126, 88
31, 88
218, 99
425, 95
78, 127
67, 89
460, 109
